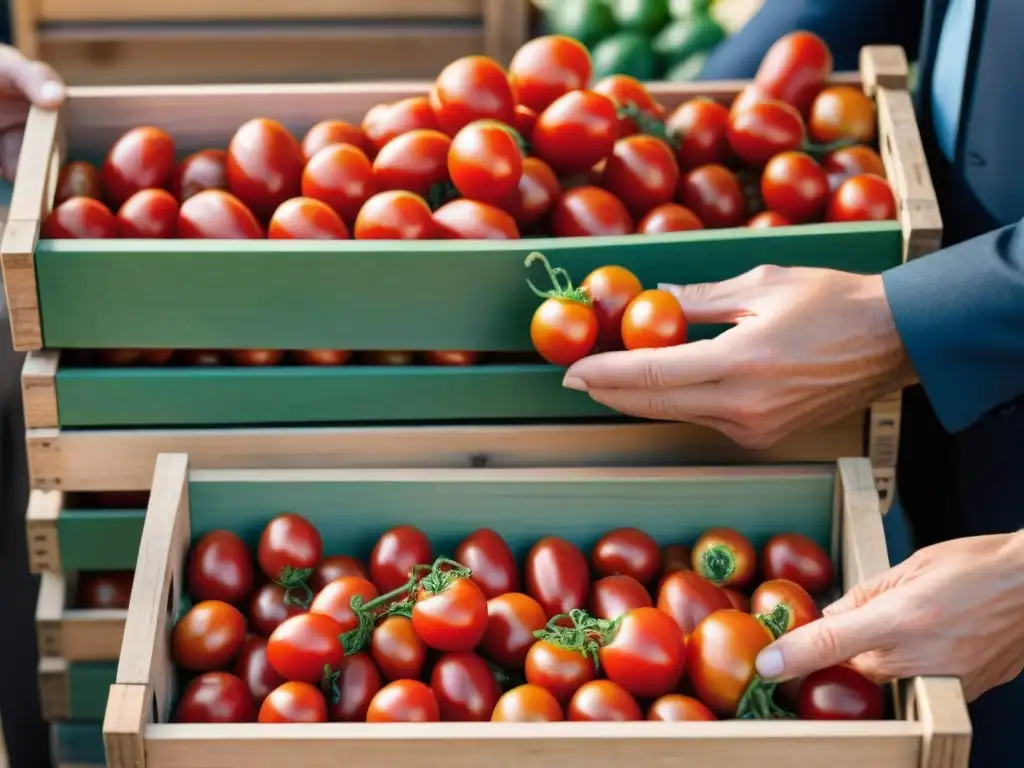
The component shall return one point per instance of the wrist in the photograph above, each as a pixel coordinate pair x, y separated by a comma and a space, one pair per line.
1012, 554
879, 320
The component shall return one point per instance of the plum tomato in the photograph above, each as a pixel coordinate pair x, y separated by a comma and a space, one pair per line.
653, 319
220, 568
862, 198
322, 357
676, 708
294, 702
842, 113
302, 647
465, 688
451, 357
208, 636
720, 658
386, 121
415, 162
257, 358
397, 650
303, 218
725, 556
739, 600
143, 158
535, 195
588, 212
627, 551
216, 215
335, 566
670, 217
700, 128
615, 595
341, 176
557, 575
395, 554
748, 97
785, 604
794, 185
512, 618
335, 600
689, 598
797, 558
645, 653
558, 670
288, 550
464, 219
78, 179
328, 132
603, 701
641, 172
795, 69
841, 164
387, 357
548, 67
675, 557
563, 330
576, 131
489, 557
104, 590
610, 290
264, 166
79, 218
253, 668
485, 162
216, 697
472, 88
148, 214
404, 701
527, 704
358, 682
526, 119
395, 215
769, 219
268, 609
450, 614
763, 130
206, 169
630, 96
715, 194
839, 693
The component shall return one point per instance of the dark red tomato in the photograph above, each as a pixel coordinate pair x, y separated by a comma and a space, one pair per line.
268, 609
414, 162
611, 289
763, 130
862, 198
721, 654
794, 185
358, 682
386, 121
464, 219
335, 600
548, 67
490, 559
641, 172
304, 645
646, 656
105, 590
322, 357
689, 599
120, 357
394, 215
453, 619
795, 69
590, 211
670, 217
303, 218
341, 176
613, 596
199, 171
78, 179
526, 119
842, 113
208, 636
768, 219
628, 92
397, 650
653, 319
294, 702
675, 557
264, 166
395, 554
839, 693
527, 704
563, 331
798, 558
603, 701
536, 194
795, 605
559, 671
512, 618
676, 708
715, 194
472, 88
336, 566
216, 215
148, 214
577, 131
843, 163
739, 600
79, 218
465, 688
700, 127
220, 568
451, 357
203, 357
387, 357
328, 132
257, 358
216, 697
143, 158
628, 551
725, 557
485, 162
557, 576
404, 701
252, 667
288, 541
156, 357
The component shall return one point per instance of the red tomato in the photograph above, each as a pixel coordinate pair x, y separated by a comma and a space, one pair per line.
670, 217
798, 558
216, 697
264, 166
628, 551
465, 688
485, 162
676, 708
294, 702
328, 132
342, 177
739, 601
105, 590
843, 163
795, 69
558, 670
220, 568
464, 219
725, 557
450, 616
199, 171
786, 603
387, 357
700, 126
404, 701
288, 543
143, 158
795, 186
358, 682
557, 576
258, 358
149, 214
334, 600
120, 356
252, 667
216, 215
689, 599
472, 88
527, 704
715, 194
842, 113
203, 357
641, 172
653, 319
603, 701
721, 653
78, 179
563, 330
768, 219
79, 218
397, 650
386, 121
590, 211
675, 557
302, 647
208, 636
646, 655
268, 609
335, 567
862, 198
536, 194
395, 554
763, 130
414, 161
548, 67
578, 130
491, 561
839, 693
610, 290
526, 119
613, 596
512, 618
303, 218
321, 357
630, 94
451, 357
748, 97
155, 357
394, 215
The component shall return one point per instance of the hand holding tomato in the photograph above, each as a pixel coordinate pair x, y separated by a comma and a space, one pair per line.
23, 83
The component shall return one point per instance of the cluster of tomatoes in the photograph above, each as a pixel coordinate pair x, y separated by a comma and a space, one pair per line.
637, 631
272, 357
496, 154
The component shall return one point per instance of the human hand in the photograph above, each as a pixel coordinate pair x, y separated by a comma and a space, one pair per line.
953, 609
808, 346
23, 83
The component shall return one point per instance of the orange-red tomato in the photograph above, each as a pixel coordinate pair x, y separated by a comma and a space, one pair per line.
395, 215
646, 655
795, 69
842, 113
303, 646
202, 170
472, 88
321, 356
548, 67
725, 557
603, 701
512, 618
763, 130
676, 708
768, 219
256, 357
715, 194
641, 172
627, 551
559, 671
563, 331
689, 599
488, 556
527, 704
862, 198
465, 688
414, 161
453, 619
264, 166
208, 636
577, 131
588, 212
526, 119
611, 289
143, 158
653, 319
358, 682
485, 162
78, 179
335, 600
294, 702
216, 697
615, 595
536, 193
328, 132
213, 214
451, 357
465, 219
386, 121
404, 701
397, 650
794, 185
720, 658
79, 218
700, 127
798, 558
303, 218
628, 92
843, 163
341, 176
670, 217
796, 605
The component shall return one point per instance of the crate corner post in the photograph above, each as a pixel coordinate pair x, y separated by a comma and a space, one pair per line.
884, 66
941, 708
39, 389
41, 530
123, 724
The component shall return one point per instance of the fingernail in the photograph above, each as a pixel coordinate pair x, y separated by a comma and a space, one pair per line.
769, 663
571, 382
51, 92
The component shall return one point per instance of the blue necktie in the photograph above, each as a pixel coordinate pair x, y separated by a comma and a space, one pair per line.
950, 69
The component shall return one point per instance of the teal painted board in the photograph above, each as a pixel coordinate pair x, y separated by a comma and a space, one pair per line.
78, 742
360, 295
135, 397
100, 539
88, 687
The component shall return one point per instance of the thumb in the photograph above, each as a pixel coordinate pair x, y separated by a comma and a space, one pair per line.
39, 82
708, 303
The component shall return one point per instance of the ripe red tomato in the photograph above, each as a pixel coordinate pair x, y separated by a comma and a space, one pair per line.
120, 357
289, 541
472, 88
725, 557
787, 604
843, 163
590, 211
220, 568
689, 599
155, 357
700, 126
629, 94
294, 702
404, 701
721, 653
676, 708
557, 575
491, 561
216, 215
526, 119
336, 566
395, 554
675, 557
558, 670
387, 357
386, 121
798, 558
862, 198
761, 131
576, 131
208, 636
613, 596
268, 609
653, 319
670, 217
451, 357
328, 132
105, 590
334, 600
527, 704
203, 357
149, 214
535, 195
79, 218
397, 650
548, 67
450, 615
202, 170
143, 158
603, 701
394, 215
839, 693
303, 218
610, 290
321, 357
628, 551
358, 682
842, 113
341, 176
641, 172
485, 162
794, 185
563, 330
302, 647
512, 618
795, 69
257, 358
253, 668
464, 219
768, 219
216, 697
465, 688
646, 655
739, 600
78, 179
414, 162
715, 194
264, 166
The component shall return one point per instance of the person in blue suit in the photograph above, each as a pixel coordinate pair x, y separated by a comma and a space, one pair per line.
808, 345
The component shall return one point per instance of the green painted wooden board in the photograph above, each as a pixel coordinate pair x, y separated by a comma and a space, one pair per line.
78, 742
100, 539
88, 687
383, 295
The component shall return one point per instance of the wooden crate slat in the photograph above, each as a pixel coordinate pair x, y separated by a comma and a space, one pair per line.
75, 635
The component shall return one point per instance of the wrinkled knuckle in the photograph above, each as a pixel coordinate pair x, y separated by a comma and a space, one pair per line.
653, 376
661, 407
764, 274
825, 643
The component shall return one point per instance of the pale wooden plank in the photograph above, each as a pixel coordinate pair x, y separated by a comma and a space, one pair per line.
884, 66
123, 724
42, 538
39, 388
943, 712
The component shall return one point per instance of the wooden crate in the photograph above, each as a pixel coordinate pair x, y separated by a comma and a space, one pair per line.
74, 690
64, 632
77, 744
